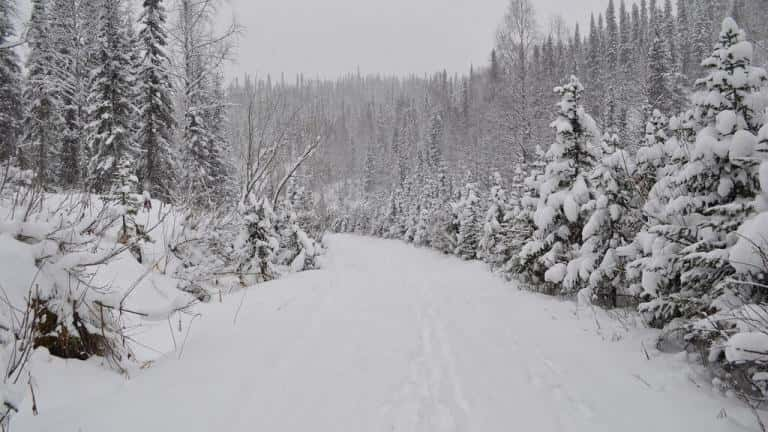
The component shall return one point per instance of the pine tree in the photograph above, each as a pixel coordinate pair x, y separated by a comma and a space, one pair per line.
157, 163
10, 85
111, 103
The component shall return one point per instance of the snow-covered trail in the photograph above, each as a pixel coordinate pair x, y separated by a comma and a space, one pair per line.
389, 338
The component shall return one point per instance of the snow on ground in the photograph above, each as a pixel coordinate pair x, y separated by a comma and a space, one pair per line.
388, 338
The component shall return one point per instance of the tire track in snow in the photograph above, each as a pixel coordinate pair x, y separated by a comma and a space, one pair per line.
449, 359
431, 398
418, 404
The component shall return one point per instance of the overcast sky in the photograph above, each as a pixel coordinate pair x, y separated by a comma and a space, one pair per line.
332, 37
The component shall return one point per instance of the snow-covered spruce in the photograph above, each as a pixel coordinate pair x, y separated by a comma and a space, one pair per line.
111, 103
11, 112
42, 119
522, 226
468, 216
490, 247
614, 221
564, 190
157, 163
713, 192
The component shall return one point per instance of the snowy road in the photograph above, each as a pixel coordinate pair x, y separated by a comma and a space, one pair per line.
390, 338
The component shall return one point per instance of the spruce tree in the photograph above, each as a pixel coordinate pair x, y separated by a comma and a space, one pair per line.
421, 233
684, 35
489, 247
255, 246
469, 220
111, 102
652, 156
10, 85
701, 34
717, 186
394, 224
669, 31
369, 171
654, 273
220, 165
559, 219
125, 194
69, 41
614, 221
611, 45
434, 158
205, 153
594, 61
157, 166
43, 120
659, 91
577, 62
206, 165
521, 227
643, 40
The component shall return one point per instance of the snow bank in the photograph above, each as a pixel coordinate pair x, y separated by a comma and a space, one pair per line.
749, 254
747, 347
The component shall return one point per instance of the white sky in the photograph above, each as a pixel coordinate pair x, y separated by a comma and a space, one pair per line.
327, 38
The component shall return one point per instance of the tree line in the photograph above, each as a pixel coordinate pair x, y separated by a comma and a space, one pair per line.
102, 87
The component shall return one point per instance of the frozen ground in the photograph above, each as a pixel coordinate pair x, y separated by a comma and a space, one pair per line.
388, 338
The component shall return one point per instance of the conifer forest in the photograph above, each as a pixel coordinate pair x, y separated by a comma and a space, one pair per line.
571, 235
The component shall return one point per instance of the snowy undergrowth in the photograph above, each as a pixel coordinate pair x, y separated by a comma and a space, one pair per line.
81, 275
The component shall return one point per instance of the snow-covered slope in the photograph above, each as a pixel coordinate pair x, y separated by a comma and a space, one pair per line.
388, 337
